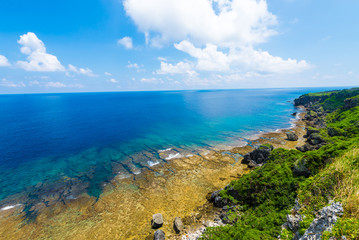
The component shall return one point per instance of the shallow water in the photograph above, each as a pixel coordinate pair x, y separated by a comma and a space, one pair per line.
46, 139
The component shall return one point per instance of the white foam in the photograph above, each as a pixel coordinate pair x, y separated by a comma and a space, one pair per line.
9, 207
189, 155
151, 164
137, 172
173, 156
166, 150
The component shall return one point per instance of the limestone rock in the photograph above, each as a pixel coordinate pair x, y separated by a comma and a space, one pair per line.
159, 235
292, 136
178, 225
258, 156
328, 217
157, 220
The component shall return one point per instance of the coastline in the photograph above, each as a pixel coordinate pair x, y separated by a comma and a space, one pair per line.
176, 188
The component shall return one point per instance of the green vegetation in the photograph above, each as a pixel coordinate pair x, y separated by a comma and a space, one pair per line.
267, 194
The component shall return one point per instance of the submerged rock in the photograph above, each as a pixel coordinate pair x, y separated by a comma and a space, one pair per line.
157, 220
159, 235
292, 136
178, 225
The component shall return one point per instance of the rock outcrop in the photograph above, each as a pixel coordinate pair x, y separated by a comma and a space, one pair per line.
258, 156
324, 222
159, 235
157, 220
178, 225
292, 136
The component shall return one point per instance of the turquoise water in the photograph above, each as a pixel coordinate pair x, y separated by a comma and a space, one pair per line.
92, 137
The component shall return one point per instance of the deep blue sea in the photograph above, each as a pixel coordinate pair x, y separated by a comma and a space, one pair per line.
95, 136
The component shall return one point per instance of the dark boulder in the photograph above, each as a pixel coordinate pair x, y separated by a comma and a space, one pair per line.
258, 156
157, 220
306, 147
294, 114
178, 225
292, 136
232, 192
159, 235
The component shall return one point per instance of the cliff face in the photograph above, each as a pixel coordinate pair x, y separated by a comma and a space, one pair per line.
296, 187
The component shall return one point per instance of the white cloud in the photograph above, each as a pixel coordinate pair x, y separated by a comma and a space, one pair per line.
179, 68
6, 83
84, 71
112, 80
151, 80
54, 85
4, 62
208, 59
220, 22
38, 59
237, 59
126, 42
108, 74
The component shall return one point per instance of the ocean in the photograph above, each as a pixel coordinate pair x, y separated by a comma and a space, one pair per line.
93, 137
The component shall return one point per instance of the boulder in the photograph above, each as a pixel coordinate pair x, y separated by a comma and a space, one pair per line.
159, 235
214, 195
232, 192
157, 220
178, 225
294, 114
306, 147
258, 156
292, 136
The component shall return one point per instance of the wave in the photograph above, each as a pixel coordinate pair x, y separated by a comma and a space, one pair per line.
173, 156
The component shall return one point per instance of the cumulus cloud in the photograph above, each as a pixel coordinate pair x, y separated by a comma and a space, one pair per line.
6, 83
220, 35
221, 22
126, 42
108, 74
210, 58
55, 85
179, 68
4, 62
38, 59
84, 71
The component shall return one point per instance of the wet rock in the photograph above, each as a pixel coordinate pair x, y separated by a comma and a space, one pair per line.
157, 220
258, 156
159, 235
294, 114
327, 218
178, 225
292, 136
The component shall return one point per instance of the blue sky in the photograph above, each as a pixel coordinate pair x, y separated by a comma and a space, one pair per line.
135, 45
